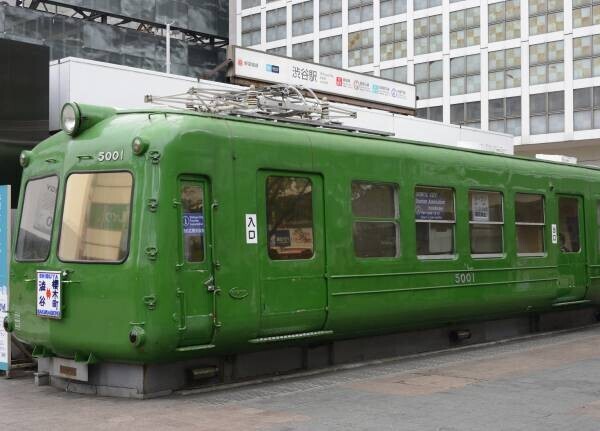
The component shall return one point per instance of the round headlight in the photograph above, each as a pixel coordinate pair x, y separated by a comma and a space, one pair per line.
139, 146
70, 118
24, 158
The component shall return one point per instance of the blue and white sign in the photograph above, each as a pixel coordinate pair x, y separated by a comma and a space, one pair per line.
4, 263
48, 295
193, 224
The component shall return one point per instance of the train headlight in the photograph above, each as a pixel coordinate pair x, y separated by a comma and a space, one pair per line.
70, 118
24, 158
139, 146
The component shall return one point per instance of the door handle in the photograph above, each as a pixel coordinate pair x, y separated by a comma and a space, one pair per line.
210, 284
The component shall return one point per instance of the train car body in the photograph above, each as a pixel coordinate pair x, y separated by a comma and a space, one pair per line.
220, 235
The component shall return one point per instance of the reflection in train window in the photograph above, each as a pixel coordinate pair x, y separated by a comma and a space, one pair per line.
568, 224
435, 218
529, 218
289, 218
192, 206
486, 222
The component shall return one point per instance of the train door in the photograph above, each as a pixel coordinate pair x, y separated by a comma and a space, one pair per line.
292, 253
571, 240
195, 278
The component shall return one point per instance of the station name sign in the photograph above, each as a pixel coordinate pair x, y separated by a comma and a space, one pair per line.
248, 65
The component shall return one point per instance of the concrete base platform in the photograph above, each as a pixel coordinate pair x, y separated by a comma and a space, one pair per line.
154, 380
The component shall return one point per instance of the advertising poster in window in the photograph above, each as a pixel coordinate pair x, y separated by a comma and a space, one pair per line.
480, 207
4, 260
431, 204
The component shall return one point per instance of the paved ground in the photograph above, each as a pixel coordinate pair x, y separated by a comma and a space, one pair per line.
548, 383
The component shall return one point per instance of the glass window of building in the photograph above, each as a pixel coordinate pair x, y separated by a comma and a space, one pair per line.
302, 18
547, 112
360, 47
466, 114
586, 104
428, 34
464, 28
375, 227
276, 24
251, 30
435, 220
504, 20
586, 13
394, 73
330, 14
280, 50
429, 79
359, 11
247, 4
434, 113
303, 51
586, 56
545, 16
505, 115
393, 41
465, 74
486, 223
424, 4
392, 7
529, 220
330, 51
546, 62
504, 69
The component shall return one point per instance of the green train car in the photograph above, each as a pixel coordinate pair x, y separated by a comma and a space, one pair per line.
164, 235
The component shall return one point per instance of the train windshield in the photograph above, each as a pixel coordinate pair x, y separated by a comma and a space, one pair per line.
96, 217
37, 219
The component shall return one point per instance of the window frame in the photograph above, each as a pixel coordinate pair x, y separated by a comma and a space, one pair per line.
18, 226
362, 219
131, 211
425, 257
502, 223
544, 252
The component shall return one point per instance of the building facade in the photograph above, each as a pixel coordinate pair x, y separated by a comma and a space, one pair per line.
530, 68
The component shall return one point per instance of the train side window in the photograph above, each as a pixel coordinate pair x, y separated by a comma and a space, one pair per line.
375, 227
289, 218
568, 225
435, 218
530, 221
598, 222
192, 206
486, 223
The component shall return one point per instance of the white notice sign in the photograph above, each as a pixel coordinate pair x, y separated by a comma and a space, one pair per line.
251, 229
48, 294
480, 207
554, 235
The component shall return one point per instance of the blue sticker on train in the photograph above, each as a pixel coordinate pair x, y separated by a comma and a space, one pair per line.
193, 224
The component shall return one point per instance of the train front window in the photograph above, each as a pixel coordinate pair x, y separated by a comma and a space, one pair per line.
95, 224
37, 219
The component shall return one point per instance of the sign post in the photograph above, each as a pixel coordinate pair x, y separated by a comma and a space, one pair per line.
5, 229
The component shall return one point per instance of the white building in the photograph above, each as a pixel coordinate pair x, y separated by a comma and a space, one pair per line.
526, 67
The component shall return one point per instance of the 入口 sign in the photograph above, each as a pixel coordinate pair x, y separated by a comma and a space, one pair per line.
251, 229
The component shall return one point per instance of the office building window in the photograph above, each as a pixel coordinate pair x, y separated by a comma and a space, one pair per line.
360, 47
302, 18
586, 56
428, 34
545, 16
424, 4
303, 51
392, 7
586, 104
466, 114
393, 41
505, 115
251, 30
465, 74
434, 113
504, 69
586, 12
280, 50
359, 11
394, 73
276, 24
504, 20
330, 14
247, 4
547, 112
546, 62
330, 51
464, 28
428, 79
